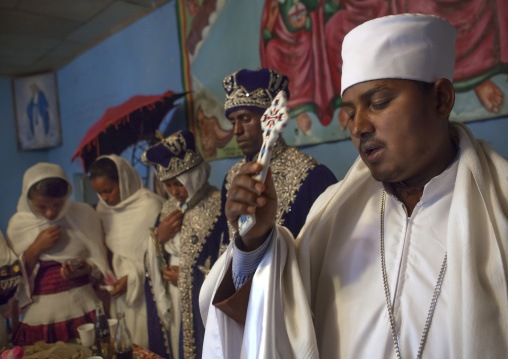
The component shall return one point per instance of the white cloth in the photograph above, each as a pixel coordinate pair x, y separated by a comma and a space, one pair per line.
59, 307
399, 46
195, 178
81, 238
268, 333
126, 227
339, 261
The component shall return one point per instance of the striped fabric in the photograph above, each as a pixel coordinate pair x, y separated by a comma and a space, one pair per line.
51, 333
49, 280
246, 263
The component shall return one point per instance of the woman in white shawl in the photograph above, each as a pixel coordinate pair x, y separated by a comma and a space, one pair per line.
127, 211
60, 243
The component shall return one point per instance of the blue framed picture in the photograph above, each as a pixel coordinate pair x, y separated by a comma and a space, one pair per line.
36, 112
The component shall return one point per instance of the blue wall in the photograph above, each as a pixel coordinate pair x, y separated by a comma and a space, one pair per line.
141, 59
144, 58
12, 162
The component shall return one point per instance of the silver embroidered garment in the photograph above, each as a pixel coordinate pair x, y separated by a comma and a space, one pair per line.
198, 223
290, 167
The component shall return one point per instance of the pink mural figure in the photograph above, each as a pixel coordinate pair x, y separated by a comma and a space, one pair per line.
292, 42
350, 15
302, 39
481, 50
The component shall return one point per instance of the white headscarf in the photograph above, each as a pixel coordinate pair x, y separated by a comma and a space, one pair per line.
79, 224
35, 174
195, 178
129, 179
127, 223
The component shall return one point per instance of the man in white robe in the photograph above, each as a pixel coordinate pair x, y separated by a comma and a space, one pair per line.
407, 255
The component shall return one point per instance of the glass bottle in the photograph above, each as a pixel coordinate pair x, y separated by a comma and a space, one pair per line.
102, 334
123, 342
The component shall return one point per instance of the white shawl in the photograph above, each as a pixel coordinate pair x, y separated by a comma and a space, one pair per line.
79, 224
195, 178
477, 260
126, 226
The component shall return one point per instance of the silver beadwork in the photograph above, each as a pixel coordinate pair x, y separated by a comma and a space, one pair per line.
198, 222
290, 167
237, 95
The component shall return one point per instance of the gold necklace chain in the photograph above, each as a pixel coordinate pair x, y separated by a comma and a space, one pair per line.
433, 303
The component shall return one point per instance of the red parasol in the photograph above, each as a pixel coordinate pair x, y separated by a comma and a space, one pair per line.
124, 125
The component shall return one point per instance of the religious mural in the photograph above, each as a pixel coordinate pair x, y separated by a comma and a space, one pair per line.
303, 39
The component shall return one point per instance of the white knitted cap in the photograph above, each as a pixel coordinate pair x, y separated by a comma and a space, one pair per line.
408, 46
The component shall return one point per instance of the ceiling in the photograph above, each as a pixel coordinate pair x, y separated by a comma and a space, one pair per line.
43, 35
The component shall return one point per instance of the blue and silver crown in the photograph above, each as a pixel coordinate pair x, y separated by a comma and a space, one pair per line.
173, 156
253, 90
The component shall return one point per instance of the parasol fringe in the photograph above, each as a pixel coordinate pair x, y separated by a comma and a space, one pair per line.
121, 117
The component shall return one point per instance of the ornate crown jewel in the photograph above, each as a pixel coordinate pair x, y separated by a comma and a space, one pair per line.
173, 156
241, 97
247, 88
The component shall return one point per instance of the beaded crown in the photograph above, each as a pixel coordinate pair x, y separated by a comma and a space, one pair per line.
253, 90
173, 156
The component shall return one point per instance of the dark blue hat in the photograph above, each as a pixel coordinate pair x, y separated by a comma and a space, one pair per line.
253, 90
173, 156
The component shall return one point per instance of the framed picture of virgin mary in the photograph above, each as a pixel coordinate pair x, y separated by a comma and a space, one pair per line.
36, 112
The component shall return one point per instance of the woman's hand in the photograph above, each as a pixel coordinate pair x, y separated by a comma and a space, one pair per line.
169, 226
47, 239
120, 288
170, 273
71, 269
